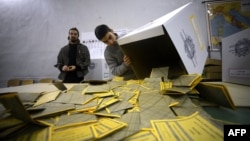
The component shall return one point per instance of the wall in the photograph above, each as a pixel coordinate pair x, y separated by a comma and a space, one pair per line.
33, 31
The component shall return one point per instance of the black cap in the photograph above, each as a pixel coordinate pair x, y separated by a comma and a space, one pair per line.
101, 31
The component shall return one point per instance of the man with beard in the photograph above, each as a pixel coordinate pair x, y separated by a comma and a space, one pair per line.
73, 59
119, 64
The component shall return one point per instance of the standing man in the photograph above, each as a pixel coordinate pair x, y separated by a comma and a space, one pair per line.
119, 64
73, 59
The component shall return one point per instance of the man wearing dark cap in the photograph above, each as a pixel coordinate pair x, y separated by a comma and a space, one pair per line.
119, 64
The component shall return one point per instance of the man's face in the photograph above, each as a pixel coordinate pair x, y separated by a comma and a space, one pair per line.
109, 39
73, 36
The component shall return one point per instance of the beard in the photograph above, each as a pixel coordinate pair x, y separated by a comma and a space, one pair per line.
73, 40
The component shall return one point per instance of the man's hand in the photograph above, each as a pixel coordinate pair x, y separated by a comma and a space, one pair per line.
71, 68
126, 60
68, 68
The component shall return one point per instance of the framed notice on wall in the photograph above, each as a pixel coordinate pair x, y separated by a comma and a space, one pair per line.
225, 18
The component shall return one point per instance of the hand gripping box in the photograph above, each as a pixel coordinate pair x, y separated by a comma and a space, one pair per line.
236, 57
173, 40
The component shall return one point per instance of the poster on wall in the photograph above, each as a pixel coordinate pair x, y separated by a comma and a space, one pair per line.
226, 18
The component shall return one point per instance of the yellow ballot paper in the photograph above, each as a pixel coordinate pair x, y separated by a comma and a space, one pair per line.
106, 126
91, 89
216, 93
187, 80
159, 72
143, 135
193, 127
106, 103
12, 102
78, 133
47, 97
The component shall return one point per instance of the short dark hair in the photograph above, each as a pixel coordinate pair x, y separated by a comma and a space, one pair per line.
101, 31
74, 28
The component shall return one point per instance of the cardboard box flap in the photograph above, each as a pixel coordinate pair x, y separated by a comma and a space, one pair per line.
149, 30
173, 40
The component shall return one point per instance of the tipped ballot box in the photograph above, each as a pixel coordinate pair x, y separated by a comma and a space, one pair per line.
174, 40
236, 57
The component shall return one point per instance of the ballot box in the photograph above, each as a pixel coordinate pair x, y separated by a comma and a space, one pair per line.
236, 57
173, 40
98, 70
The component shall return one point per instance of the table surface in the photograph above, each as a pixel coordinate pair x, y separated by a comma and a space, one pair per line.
240, 115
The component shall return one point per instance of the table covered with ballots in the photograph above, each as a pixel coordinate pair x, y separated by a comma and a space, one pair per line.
146, 109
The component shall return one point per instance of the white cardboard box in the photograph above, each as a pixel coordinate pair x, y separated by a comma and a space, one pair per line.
239, 93
174, 40
236, 58
98, 70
